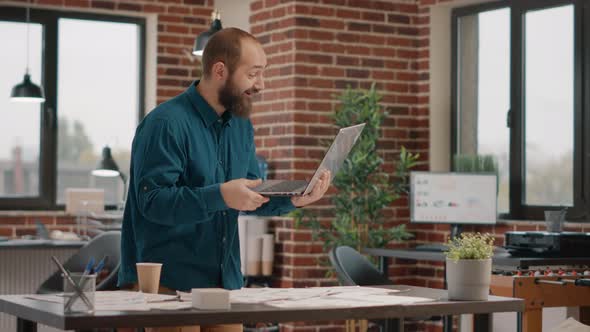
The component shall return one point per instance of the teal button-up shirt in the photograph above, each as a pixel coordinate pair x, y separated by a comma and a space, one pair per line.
175, 213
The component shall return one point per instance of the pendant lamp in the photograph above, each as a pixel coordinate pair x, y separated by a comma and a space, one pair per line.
203, 37
27, 91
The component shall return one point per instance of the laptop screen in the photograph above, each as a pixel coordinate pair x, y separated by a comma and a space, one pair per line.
337, 153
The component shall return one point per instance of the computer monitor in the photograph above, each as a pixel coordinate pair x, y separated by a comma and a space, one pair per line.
453, 198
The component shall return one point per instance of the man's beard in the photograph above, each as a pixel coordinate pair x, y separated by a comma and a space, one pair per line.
234, 100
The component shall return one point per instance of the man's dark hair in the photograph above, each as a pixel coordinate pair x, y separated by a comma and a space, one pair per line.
225, 46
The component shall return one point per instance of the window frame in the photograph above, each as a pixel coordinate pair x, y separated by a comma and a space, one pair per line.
515, 116
49, 19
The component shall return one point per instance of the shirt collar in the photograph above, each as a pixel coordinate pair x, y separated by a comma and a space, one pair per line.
207, 113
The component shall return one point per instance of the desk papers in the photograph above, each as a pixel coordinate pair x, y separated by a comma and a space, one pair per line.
345, 296
314, 297
352, 296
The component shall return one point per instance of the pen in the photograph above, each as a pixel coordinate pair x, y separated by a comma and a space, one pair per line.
100, 265
72, 283
88, 268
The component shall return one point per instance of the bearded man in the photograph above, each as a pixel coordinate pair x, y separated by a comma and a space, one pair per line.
193, 164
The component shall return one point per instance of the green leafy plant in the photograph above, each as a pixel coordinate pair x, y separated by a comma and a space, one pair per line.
363, 188
471, 246
474, 163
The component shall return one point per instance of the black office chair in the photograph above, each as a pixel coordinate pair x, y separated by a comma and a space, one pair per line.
354, 269
105, 244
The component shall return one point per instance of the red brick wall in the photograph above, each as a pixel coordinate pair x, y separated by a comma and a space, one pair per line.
16, 224
316, 49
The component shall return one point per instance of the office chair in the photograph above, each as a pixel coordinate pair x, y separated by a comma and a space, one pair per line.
104, 244
354, 269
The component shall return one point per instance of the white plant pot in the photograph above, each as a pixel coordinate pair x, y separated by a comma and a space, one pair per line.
469, 279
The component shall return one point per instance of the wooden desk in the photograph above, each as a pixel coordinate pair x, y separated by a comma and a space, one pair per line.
536, 296
30, 312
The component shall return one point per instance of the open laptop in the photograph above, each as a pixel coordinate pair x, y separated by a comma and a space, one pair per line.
332, 161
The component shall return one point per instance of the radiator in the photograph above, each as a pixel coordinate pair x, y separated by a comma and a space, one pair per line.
23, 270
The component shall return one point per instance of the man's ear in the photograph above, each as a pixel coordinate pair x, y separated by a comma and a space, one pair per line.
218, 71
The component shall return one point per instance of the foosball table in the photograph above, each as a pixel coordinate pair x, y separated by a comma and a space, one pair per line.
548, 279
545, 269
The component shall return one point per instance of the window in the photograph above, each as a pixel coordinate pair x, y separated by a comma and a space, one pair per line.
517, 95
484, 67
91, 69
19, 137
549, 106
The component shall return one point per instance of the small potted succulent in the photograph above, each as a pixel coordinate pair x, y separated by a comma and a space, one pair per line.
469, 266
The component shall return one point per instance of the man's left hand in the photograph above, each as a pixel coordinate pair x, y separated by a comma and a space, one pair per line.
316, 193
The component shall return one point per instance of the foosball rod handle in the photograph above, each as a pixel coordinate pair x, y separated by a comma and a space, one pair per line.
577, 282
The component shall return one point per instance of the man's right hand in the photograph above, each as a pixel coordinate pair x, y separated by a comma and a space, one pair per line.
238, 196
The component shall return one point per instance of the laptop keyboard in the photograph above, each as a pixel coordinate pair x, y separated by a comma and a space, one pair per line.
286, 186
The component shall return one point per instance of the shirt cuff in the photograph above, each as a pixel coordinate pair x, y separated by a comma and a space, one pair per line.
286, 206
212, 195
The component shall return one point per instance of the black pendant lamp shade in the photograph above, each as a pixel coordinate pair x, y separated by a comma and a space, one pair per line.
27, 91
107, 167
203, 37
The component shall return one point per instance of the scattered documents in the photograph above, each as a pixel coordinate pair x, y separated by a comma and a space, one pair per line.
313, 297
170, 305
351, 296
344, 296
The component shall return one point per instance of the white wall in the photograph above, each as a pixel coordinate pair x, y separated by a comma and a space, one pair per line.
440, 83
234, 13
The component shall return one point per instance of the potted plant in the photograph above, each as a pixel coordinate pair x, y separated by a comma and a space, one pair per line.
469, 266
364, 188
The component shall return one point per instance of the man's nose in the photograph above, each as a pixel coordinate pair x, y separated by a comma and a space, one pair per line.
259, 84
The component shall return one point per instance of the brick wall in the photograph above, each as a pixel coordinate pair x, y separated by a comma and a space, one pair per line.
16, 224
315, 49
